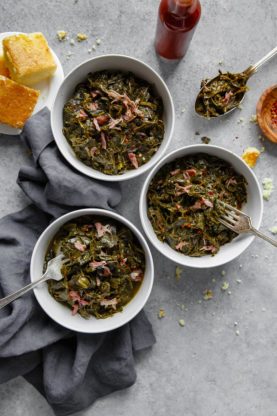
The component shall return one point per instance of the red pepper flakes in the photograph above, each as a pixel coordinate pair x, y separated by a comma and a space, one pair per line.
273, 112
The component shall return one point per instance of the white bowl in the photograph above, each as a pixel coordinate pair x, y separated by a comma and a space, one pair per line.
80, 73
253, 207
60, 313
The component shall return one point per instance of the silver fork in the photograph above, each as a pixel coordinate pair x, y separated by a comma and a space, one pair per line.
239, 222
53, 271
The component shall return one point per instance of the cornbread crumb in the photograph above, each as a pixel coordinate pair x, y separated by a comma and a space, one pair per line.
98, 41
161, 313
181, 322
61, 35
81, 37
208, 294
72, 42
250, 156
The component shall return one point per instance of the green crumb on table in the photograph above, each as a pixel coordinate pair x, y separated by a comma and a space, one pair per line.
98, 41
208, 294
181, 322
273, 230
61, 35
224, 286
183, 110
267, 188
253, 119
223, 273
178, 273
161, 313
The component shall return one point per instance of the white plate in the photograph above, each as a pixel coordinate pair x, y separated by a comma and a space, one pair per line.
48, 88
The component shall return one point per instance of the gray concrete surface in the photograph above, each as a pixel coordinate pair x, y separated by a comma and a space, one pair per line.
204, 368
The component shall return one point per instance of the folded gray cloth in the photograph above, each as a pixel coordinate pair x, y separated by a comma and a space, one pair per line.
70, 369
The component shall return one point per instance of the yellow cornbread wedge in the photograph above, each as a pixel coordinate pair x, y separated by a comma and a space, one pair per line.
28, 58
17, 102
3, 69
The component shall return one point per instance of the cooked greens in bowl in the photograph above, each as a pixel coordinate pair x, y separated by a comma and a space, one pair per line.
114, 122
106, 266
182, 203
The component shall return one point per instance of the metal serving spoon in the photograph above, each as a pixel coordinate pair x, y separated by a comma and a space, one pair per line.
53, 271
252, 69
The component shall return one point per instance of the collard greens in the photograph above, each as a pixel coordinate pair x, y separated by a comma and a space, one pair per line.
182, 203
105, 270
114, 122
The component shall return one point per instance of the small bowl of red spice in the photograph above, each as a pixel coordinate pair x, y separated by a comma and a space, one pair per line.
267, 113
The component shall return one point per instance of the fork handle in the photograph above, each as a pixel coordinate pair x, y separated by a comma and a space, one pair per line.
10, 298
264, 237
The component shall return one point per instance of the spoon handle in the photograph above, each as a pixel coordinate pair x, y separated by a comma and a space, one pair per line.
253, 68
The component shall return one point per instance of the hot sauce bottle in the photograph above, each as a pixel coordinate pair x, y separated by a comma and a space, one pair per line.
177, 20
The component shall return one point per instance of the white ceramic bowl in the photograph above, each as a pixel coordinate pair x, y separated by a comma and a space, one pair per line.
110, 62
60, 313
253, 207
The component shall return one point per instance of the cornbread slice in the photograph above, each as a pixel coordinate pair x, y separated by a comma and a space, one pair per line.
28, 58
3, 69
17, 102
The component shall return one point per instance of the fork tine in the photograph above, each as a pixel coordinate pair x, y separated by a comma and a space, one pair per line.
226, 224
229, 219
231, 208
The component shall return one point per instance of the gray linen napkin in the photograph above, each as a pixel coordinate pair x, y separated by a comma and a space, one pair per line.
70, 369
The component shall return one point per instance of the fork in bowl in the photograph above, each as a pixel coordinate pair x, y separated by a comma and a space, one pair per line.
53, 271
239, 222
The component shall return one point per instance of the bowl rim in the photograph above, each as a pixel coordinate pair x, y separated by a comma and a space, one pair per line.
133, 173
199, 148
123, 220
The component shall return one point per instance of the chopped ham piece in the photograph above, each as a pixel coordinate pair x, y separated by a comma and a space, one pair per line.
75, 308
95, 264
74, 295
227, 97
123, 261
207, 202
133, 159
106, 271
102, 119
109, 302
82, 114
190, 172
182, 189
92, 106
114, 122
231, 181
180, 245
210, 248
79, 246
95, 122
197, 205
175, 172
136, 275
102, 229
103, 141
92, 151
